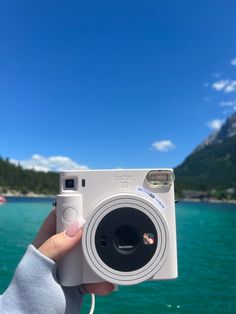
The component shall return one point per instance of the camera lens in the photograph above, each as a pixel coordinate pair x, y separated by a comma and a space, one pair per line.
126, 239
119, 239
69, 183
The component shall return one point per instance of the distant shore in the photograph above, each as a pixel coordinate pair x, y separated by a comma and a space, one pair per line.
28, 195
211, 200
185, 200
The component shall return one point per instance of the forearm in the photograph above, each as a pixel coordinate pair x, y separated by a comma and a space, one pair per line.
34, 289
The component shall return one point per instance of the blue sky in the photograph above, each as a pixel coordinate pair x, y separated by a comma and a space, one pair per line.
107, 84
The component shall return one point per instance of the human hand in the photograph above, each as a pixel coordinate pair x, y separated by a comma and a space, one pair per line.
55, 246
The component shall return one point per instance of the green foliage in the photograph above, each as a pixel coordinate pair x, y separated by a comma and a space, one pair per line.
16, 178
213, 168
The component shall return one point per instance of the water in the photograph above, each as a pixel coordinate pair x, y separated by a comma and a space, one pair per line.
206, 250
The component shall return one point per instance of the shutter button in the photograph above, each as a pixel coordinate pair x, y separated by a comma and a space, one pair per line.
69, 214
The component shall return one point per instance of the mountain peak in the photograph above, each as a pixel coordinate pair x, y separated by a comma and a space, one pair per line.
227, 130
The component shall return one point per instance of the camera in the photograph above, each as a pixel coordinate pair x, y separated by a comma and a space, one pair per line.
130, 230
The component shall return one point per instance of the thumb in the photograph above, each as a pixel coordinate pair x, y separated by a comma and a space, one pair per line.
62, 243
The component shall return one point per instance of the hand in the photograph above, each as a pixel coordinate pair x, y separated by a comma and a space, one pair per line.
55, 246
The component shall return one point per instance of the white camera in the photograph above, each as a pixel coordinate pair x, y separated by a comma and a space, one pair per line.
130, 231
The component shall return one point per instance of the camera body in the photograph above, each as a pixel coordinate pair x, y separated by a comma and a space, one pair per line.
130, 230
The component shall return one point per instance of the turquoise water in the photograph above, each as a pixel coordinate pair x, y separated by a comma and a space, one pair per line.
206, 250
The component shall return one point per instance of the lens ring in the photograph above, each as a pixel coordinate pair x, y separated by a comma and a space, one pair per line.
125, 249
88, 241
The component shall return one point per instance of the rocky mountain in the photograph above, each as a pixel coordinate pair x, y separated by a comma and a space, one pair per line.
227, 130
211, 168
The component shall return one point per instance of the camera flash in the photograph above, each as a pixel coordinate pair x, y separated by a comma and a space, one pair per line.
160, 178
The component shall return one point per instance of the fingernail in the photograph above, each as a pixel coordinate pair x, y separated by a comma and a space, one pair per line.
74, 227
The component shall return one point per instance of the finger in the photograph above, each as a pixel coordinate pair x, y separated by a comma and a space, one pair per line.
60, 244
47, 229
49, 224
102, 288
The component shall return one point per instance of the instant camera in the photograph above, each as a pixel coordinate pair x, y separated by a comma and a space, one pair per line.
130, 230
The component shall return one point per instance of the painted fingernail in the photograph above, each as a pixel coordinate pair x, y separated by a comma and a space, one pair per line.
74, 227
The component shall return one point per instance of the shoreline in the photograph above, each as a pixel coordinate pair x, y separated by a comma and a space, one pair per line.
184, 200
28, 195
210, 201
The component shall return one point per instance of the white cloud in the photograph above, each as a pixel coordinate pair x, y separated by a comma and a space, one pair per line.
231, 87
220, 84
230, 103
215, 124
233, 61
45, 164
228, 86
163, 146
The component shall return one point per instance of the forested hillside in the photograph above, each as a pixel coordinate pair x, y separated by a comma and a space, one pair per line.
211, 169
24, 181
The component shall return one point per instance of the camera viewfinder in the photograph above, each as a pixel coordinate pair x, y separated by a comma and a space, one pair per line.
69, 183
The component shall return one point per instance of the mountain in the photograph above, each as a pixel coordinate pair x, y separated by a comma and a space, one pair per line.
226, 131
211, 168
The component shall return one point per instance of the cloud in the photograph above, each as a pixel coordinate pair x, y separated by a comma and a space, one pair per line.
220, 85
215, 124
233, 61
231, 87
230, 103
163, 146
45, 164
228, 86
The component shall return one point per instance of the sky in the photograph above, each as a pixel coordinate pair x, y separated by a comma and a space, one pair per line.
113, 84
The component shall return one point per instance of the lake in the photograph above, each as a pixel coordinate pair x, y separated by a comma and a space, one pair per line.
206, 256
